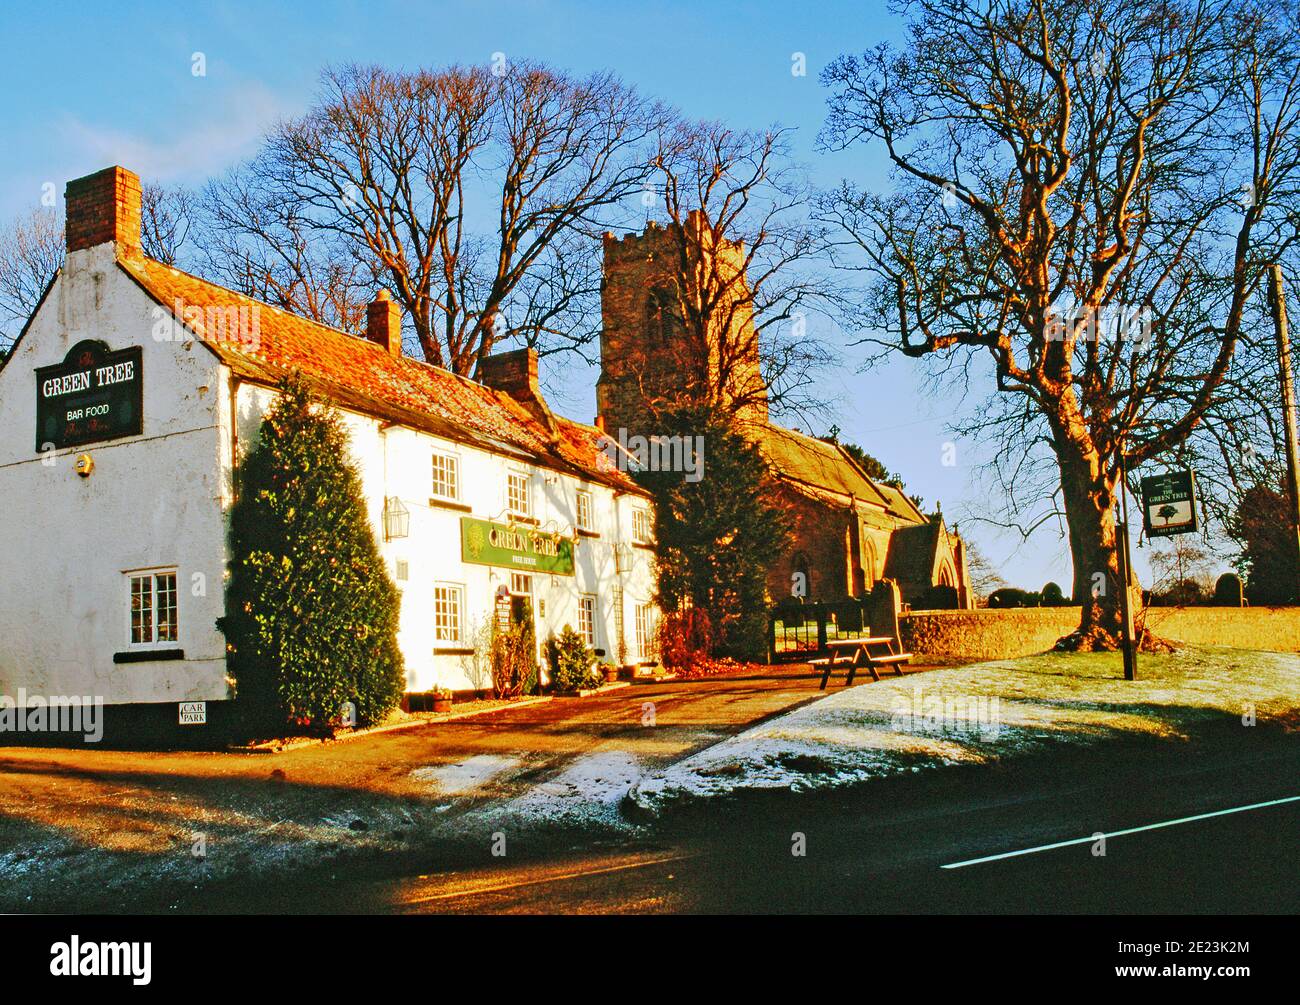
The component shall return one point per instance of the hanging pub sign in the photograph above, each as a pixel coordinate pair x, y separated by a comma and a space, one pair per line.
93, 395
486, 543
1169, 503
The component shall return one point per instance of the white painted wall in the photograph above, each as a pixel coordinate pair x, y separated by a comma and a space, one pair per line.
161, 499
397, 461
154, 500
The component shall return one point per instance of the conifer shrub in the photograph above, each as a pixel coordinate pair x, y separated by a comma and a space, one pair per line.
716, 537
570, 660
311, 614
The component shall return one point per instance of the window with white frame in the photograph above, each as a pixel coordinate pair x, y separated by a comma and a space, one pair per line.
519, 498
448, 612
645, 626
620, 641
521, 584
642, 533
584, 510
587, 619
446, 477
155, 614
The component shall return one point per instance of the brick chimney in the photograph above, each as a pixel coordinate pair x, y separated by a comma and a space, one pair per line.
513, 372
384, 323
104, 207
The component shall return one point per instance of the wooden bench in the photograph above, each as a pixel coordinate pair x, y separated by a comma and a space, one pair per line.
862, 652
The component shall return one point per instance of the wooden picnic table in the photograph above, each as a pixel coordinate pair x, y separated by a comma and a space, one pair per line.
870, 651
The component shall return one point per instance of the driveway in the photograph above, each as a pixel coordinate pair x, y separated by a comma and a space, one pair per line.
90, 829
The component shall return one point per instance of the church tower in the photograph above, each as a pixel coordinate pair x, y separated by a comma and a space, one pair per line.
678, 328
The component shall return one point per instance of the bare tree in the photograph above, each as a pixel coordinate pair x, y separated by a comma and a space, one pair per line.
1085, 196
167, 219
742, 282
31, 252
253, 242
478, 197
984, 576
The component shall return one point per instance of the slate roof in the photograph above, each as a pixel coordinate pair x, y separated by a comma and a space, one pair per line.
912, 552
356, 373
817, 464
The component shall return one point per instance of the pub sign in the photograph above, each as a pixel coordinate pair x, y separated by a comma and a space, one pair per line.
484, 542
1169, 503
94, 394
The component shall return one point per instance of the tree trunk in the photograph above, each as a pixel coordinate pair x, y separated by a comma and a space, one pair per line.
1089, 496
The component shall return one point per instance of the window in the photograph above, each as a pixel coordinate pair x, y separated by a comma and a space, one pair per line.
446, 476
448, 600
618, 625
403, 571
645, 625
658, 317
155, 616
521, 585
587, 619
519, 500
584, 509
641, 533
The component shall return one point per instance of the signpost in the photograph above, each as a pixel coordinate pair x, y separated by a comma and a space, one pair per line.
1126, 576
93, 395
1168, 508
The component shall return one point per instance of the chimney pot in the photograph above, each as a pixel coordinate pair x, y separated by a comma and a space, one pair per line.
104, 207
384, 323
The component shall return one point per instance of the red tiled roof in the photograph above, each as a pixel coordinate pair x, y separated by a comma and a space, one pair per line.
356, 373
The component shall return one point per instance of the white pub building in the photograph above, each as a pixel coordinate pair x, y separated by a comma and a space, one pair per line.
129, 397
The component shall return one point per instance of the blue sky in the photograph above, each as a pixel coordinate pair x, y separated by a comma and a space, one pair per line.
95, 84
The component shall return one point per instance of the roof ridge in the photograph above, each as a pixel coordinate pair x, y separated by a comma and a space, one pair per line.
312, 321
382, 384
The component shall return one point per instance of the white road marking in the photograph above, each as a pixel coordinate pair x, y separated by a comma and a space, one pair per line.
1129, 830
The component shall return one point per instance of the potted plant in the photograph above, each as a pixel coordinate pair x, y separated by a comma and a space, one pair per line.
611, 672
442, 699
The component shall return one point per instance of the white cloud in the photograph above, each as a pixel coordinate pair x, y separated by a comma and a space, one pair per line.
189, 146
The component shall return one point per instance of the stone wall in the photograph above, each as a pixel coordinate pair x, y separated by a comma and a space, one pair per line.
1001, 634
986, 634
1274, 628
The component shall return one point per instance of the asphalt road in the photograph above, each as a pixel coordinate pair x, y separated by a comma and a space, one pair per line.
882, 848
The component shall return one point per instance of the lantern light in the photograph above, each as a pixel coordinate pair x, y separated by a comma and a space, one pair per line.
397, 519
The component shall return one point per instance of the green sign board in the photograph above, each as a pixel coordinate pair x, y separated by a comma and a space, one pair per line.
1169, 503
524, 548
93, 395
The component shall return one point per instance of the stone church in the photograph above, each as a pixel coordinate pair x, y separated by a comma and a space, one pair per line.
850, 531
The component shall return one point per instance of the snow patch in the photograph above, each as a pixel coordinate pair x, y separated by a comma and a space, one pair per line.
467, 776
588, 792
972, 714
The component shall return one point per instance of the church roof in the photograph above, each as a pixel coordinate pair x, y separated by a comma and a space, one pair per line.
821, 465
356, 373
912, 552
